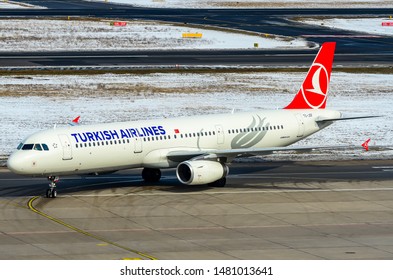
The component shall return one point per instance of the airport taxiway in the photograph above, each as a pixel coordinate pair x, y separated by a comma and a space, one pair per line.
268, 210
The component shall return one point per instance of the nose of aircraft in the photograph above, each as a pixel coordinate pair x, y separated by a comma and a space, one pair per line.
15, 164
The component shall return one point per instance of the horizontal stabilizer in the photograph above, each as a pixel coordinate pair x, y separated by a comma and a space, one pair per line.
346, 118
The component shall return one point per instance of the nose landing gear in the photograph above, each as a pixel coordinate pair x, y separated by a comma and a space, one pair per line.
51, 192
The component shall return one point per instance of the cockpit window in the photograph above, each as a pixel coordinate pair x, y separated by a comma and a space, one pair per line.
37, 147
27, 147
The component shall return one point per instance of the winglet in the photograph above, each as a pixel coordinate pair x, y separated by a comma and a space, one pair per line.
75, 121
314, 90
365, 144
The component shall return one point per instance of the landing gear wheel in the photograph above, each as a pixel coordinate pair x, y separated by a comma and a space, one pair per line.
220, 183
151, 175
51, 192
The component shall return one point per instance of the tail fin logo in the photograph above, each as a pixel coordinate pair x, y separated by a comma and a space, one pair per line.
315, 90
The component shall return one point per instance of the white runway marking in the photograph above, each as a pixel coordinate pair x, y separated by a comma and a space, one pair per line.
384, 168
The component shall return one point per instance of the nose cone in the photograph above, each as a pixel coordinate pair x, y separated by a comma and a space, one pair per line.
15, 163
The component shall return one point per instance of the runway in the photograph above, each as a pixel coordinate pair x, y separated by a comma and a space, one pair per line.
191, 58
268, 210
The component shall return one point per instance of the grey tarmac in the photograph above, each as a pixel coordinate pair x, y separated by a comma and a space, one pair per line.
268, 210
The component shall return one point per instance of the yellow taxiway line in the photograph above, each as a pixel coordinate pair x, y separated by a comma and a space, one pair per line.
81, 231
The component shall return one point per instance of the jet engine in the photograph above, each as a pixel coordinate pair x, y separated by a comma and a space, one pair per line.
200, 172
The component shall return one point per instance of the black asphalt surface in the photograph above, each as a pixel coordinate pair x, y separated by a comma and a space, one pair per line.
353, 48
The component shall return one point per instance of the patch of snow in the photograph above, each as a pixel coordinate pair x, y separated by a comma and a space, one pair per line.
207, 4
32, 103
41, 35
6, 4
363, 25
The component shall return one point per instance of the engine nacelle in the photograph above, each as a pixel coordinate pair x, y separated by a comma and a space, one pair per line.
200, 172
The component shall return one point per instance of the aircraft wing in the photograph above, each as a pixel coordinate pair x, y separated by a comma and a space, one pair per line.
179, 156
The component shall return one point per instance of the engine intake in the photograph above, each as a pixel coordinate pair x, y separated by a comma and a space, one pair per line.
200, 172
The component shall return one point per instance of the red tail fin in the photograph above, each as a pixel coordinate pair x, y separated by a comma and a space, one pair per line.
314, 90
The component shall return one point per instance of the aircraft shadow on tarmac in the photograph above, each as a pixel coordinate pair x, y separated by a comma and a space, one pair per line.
168, 183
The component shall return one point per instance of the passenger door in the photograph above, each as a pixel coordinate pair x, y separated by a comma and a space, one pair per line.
66, 145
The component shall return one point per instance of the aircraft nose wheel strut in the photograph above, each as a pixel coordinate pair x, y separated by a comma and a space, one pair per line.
51, 192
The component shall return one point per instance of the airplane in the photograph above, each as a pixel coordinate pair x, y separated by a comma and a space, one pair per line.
199, 147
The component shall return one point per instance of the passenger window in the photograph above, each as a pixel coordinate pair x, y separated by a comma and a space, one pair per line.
37, 147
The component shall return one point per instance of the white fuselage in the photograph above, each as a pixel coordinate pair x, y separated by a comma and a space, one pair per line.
110, 147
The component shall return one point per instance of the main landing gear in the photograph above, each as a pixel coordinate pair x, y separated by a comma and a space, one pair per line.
151, 175
51, 192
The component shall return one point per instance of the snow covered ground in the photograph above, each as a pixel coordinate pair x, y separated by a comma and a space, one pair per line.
8, 4
255, 3
52, 35
35, 35
32, 103
363, 25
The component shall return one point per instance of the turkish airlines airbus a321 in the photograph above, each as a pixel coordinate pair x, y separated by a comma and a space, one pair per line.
200, 147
